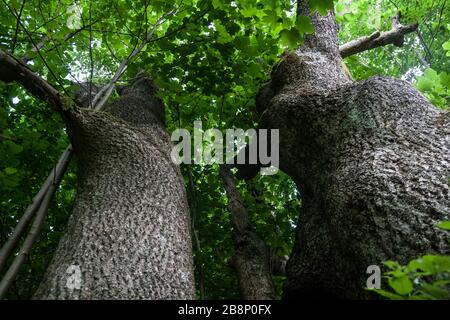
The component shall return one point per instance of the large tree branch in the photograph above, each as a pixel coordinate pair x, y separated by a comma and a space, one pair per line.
12, 69
396, 36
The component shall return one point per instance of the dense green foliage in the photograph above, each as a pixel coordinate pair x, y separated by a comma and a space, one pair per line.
424, 278
209, 58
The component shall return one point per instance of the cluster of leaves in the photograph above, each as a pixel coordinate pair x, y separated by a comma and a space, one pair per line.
425, 278
436, 86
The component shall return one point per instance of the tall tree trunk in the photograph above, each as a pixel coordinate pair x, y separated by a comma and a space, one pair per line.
372, 162
129, 233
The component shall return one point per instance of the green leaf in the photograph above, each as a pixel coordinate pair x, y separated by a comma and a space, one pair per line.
271, 18
445, 225
249, 11
323, 6
446, 47
429, 79
224, 36
445, 79
392, 264
387, 294
435, 291
217, 4
291, 38
10, 170
304, 25
254, 69
431, 264
402, 284
13, 148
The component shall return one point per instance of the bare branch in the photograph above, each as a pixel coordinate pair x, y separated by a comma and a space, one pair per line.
37, 224
24, 221
19, 15
396, 36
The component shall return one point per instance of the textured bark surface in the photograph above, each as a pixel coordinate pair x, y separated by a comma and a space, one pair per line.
251, 258
372, 162
129, 230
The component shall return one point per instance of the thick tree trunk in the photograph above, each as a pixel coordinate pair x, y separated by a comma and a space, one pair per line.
372, 162
129, 233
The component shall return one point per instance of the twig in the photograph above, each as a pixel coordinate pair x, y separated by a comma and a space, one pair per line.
19, 15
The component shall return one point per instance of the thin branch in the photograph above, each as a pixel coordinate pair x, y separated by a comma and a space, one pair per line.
3, 138
109, 48
36, 226
428, 53
394, 4
24, 221
441, 12
19, 15
43, 41
102, 96
56, 16
38, 51
41, 44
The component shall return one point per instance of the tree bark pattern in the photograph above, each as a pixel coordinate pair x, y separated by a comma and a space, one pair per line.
372, 162
129, 232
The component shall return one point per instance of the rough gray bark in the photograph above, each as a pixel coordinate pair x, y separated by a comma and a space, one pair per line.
251, 258
129, 232
372, 162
